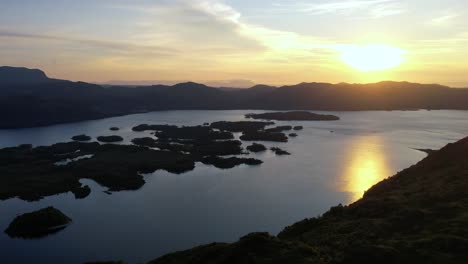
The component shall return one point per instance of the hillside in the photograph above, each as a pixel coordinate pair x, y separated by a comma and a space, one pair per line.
29, 98
419, 215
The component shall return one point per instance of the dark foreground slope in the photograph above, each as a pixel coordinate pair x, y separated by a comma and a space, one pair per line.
419, 215
29, 98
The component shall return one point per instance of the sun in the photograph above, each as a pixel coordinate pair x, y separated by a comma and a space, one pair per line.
374, 57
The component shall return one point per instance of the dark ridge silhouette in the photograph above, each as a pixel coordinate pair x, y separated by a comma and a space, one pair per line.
293, 116
417, 216
28, 98
16, 76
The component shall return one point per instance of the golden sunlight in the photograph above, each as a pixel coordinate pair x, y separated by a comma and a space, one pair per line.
367, 165
372, 57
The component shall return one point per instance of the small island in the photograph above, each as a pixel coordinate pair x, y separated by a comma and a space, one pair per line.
293, 116
110, 139
114, 129
81, 137
38, 224
255, 147
264, 136
229, 163
279, 129
280, 152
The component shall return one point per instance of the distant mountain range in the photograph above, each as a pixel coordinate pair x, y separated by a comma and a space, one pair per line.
29, 98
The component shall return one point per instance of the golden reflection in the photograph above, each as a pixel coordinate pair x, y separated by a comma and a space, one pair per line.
365, 166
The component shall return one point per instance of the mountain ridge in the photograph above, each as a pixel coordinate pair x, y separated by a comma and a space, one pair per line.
36, 100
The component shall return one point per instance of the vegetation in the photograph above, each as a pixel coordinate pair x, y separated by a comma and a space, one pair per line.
279, 151
29, 98
293, 116
228, 163
30, 173
81, 138
417, 216
279, 129
38, 224
241, 126
264, 136
255, 147
110, 139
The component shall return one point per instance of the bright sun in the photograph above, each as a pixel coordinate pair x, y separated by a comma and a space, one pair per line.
372, 57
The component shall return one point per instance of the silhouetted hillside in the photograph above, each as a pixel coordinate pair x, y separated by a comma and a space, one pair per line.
12, 75
29, 98
416, 216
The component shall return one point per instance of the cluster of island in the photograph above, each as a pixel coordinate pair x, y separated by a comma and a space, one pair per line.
31, 173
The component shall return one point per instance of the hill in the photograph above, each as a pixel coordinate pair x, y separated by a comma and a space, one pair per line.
419, 215
29, 98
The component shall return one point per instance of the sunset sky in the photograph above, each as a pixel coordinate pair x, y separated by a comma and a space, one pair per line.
262, 41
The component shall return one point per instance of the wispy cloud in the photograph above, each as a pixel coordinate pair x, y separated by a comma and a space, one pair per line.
108, 45
363, 8
444, 20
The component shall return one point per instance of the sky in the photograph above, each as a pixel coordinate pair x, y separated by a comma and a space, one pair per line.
239, 42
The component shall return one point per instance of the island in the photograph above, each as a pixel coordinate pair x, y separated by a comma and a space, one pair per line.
81, 137
264, 136
110, 139
279, 151
114, 129
31, 173
255, 147
293, 116
228, 163
38, 224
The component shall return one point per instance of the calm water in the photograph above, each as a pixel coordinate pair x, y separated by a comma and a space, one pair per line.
174, 212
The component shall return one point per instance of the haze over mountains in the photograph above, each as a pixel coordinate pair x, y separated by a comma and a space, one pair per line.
29, 98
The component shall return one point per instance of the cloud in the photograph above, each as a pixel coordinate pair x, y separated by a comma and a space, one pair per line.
363, 8
108, 45
443, 20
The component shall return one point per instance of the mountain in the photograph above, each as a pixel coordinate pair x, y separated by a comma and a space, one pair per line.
12, 75
417, 216
29, 98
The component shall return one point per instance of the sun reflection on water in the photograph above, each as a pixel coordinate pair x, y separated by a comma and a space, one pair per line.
366, 165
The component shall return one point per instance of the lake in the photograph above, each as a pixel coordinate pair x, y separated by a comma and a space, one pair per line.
331, 163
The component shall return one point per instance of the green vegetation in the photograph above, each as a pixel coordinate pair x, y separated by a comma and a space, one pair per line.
38, 224
419, 215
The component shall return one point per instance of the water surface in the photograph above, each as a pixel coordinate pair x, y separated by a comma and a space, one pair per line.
331, 163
